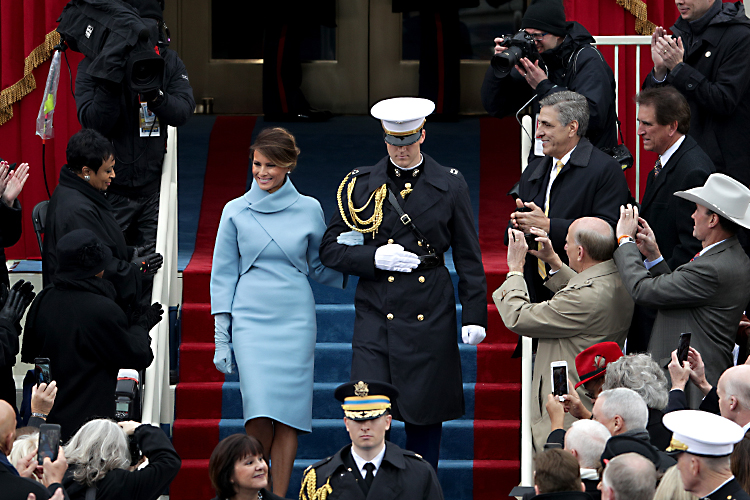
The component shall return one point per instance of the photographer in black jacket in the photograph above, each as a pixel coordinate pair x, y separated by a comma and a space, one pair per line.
126, 118
568, 62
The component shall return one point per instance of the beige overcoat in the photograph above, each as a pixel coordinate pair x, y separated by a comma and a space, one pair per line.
587, 308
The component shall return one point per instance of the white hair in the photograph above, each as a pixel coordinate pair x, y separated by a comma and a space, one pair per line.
588, 438
642, 374
628, 404
97, 448
22, 446
631, 476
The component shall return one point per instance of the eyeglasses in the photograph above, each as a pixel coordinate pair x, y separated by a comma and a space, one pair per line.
538, 36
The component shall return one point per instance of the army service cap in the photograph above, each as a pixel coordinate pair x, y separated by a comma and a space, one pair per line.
402, 118
365, 399
701, 433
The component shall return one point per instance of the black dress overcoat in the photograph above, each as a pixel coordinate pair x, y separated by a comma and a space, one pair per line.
405, 328
402, 474
77, 205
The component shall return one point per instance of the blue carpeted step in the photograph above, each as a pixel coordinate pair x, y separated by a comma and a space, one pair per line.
329, 435
455, 476
324, 404
333, 363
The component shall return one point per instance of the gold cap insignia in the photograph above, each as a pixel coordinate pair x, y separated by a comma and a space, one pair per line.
676, 445
361, 389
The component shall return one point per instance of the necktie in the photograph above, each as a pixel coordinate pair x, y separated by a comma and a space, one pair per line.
657, 167
370, 468
541, 265
695, 257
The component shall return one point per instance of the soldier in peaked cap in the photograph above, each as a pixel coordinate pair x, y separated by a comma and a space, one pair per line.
369, 467
396, 220
703, 443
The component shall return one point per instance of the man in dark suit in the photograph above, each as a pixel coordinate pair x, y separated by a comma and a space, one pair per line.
369, 467
663, 122
703, 443
573, 180
706, 296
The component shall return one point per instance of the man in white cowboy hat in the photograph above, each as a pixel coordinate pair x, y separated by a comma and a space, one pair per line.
703, 443
396, 219
706, 296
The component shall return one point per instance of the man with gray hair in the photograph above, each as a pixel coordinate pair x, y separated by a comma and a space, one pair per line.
585, 440
573, 180
622, 410
629, 476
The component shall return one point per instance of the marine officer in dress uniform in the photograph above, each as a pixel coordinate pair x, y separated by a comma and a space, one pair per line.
703, 443
396, 220
369, 467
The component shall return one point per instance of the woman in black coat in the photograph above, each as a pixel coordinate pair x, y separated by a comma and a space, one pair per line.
87, 337
79, 203
99, 457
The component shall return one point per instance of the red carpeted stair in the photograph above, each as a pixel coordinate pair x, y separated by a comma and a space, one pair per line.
198, 396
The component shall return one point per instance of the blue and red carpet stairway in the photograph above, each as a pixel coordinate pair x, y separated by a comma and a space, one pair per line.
479, 454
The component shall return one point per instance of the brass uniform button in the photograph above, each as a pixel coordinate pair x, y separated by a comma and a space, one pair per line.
421, 279
390, 241
420, 317
391, 279
390, 316
419, 243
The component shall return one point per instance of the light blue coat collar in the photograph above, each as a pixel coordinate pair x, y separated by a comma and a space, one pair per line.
260, 201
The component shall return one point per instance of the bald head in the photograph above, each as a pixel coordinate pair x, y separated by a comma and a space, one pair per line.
734, 394
595, 236
7, 426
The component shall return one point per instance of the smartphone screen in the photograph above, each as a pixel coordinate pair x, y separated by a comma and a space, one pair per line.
49, 442
41, 371
683, 347
560, 380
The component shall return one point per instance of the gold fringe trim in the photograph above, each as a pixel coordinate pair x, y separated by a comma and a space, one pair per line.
25, 85
640, 10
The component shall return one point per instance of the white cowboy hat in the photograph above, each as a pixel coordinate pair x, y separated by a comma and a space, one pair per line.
723, 195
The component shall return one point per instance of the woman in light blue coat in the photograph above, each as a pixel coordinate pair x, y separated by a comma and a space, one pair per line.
266, 247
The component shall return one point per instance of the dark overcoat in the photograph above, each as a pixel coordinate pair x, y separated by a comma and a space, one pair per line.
77, 205
732, 490
405, 326
88, 339
402, 474
715, 80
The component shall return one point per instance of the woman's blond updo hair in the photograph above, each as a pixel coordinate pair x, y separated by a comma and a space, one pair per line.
278, 145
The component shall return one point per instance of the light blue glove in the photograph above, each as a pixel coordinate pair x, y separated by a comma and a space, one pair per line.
351, 238
223, 353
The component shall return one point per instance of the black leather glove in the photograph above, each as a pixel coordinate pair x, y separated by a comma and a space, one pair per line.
140, 252
15, 306
151, 263
151, 316
26, 289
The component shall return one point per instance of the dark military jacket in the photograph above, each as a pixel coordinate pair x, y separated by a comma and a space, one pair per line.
402, 475
405, 328
730, 491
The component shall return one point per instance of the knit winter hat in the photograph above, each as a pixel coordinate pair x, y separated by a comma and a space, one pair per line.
81, 255
545, 15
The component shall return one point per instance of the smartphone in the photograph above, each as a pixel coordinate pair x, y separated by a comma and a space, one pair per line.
683, 347
41, 371
49, 442
559, 370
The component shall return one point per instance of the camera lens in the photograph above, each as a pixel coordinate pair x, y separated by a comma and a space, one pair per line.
503, 62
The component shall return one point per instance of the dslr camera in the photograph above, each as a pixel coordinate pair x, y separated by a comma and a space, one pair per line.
519, 46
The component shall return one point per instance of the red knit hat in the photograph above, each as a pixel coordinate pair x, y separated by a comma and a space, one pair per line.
592, 363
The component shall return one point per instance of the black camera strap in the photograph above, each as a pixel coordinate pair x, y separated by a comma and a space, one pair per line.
406, 221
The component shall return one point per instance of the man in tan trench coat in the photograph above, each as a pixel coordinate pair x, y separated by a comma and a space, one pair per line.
590, 305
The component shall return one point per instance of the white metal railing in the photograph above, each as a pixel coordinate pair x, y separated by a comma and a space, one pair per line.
157, 407
526, 145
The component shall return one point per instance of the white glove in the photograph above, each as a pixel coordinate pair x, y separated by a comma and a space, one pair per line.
393, 257
223, 352
472, 334
351, 238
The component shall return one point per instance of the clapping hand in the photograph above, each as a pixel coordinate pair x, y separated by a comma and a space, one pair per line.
15, 182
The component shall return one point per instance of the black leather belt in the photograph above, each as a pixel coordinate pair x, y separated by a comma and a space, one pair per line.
429, 262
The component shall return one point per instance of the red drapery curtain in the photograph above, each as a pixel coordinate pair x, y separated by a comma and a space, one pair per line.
24, 25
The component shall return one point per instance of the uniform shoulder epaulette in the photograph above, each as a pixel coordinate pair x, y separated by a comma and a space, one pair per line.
411, 454
308, 490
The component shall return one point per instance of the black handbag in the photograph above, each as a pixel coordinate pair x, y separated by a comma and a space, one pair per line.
620, 153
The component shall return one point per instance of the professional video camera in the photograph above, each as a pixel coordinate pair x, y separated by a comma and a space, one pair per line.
519, 46
120, 44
